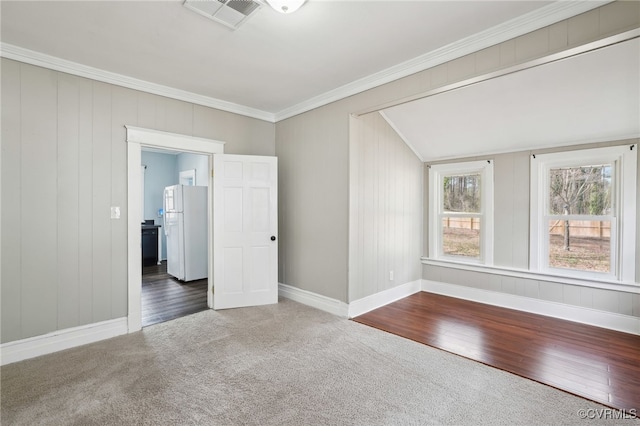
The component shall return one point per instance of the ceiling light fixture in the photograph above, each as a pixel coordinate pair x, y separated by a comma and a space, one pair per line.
286, 6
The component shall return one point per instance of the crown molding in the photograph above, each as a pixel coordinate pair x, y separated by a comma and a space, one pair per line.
10, 51
532, 21
516, 27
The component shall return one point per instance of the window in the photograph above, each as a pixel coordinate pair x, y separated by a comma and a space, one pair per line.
583, 213
461, 212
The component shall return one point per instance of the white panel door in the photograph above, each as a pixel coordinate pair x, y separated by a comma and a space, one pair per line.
245, 229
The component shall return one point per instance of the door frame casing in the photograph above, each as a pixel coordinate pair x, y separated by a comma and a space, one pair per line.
137, 138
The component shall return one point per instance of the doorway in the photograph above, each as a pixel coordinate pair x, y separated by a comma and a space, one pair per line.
166, 293
137, 139
165, 298
243, 229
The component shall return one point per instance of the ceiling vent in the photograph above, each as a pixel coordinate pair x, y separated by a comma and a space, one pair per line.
231, 13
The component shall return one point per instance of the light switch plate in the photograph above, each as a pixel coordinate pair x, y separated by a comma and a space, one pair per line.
115, 212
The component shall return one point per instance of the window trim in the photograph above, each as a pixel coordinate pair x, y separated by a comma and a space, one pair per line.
437, 173
623, 218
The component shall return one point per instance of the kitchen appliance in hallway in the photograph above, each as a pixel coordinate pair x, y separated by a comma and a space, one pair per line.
185, 226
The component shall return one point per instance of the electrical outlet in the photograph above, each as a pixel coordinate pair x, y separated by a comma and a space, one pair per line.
390, 275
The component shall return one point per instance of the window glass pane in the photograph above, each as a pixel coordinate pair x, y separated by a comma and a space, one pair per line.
580, 190
461, 236
462, 193
580, 244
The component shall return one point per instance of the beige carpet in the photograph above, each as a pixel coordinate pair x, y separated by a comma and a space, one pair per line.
284, 364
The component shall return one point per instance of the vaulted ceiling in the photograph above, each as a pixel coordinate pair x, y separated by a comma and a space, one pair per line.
590, 97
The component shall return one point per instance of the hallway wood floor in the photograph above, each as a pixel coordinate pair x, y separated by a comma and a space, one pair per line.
164, 298
595, 363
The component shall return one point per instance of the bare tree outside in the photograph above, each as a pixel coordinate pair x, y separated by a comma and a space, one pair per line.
584, 190
461, 233
462, 193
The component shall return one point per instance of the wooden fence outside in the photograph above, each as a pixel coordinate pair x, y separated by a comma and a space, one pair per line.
582, 228
579, 228
461, 222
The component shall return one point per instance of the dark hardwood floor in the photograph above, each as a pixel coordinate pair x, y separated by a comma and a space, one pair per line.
595, 363
164, 298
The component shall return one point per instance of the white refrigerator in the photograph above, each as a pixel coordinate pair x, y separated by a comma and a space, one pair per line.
185, 226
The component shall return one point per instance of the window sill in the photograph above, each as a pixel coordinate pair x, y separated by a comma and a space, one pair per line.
628, 287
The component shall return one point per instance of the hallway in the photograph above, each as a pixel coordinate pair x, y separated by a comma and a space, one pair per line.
164, 298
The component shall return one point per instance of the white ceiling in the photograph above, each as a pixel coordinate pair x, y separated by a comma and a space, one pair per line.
276, 65
273, 62
587, 98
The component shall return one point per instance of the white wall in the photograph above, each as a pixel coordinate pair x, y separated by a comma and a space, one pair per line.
161, 172
511, 239
63, 141
385, 210
64, 165
313, 147
199, 163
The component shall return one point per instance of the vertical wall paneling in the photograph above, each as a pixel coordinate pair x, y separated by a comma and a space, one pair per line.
101, 202
512, 238
586, 297
124, 109
369, 181
520, 203
619, 14
11, 269
586, 27
316, 229
321, 130
512, 170
68, 202
313, 149
354, 202
635, 301
179, 116
606, 300
638, 222
558, 36
385, 215
390, 203
249, 135
373, 146
532, 45
503, 212
571, 294
85, 201
488, 59
39, 200
64, 164
425, 209
160, 116
147, 111
625, 303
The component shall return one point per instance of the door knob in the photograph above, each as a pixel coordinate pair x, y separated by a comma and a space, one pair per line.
273, 238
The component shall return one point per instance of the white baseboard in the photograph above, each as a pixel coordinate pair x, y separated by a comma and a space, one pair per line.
324, 303
612, 321
375, 301
61, 339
